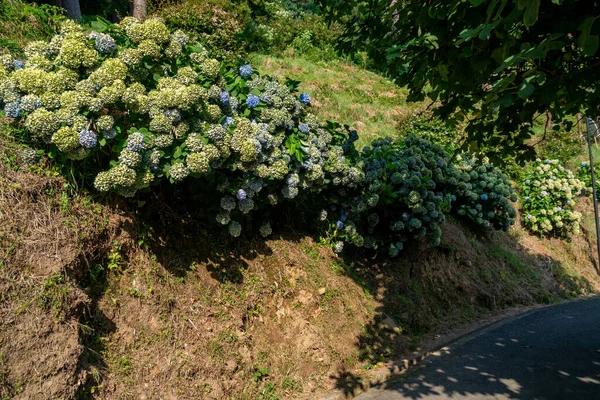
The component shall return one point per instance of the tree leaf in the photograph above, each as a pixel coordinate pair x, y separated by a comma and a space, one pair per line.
526, 89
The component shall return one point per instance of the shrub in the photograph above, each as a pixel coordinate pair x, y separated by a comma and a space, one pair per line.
138, 104
135, 105
20, 23
408, 190
584, 174
549, 194
483, 193
287, 24
427, 126
215, 28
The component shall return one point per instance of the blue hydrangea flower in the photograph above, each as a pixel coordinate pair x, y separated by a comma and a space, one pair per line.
105, 44
484, 197
343, 215
227, 121
224, 97
527, 182
88, 139
109, 134
135, 141
18, 64
305, 98
173, 114
584, 164
453, 198
13, 109
547, 161
526, 198
252, 101
241, 194
246, 71
558, 208
304, 128
339, 225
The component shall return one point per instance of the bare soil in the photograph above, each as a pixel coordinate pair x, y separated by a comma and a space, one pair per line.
107, 302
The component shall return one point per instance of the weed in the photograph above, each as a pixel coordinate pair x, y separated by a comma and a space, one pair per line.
260, 373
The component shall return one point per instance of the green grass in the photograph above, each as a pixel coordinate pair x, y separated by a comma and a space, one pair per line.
368, 102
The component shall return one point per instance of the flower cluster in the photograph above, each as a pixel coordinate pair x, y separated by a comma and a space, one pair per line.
141, 104
549, 195
483, 193
119, 100
408, 189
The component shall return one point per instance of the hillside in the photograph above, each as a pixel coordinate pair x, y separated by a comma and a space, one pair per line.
106, 301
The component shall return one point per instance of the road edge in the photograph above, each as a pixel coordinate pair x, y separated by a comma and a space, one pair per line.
394, 371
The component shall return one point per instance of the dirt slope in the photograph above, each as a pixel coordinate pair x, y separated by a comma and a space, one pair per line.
107, 302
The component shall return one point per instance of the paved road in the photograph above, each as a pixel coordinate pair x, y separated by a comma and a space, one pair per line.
552, 353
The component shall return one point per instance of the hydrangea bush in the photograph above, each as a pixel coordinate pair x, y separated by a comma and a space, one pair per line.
483, 193
141, 104
407, 191
549, 193
136, 104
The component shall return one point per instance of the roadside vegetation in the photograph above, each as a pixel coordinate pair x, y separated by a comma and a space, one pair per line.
270, 217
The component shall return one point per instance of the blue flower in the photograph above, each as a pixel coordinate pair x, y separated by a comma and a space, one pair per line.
526, 198
305, 98
241, 194
246, 71
18, 64
484, 197
584, 164
304, 128
173, 114
339, 225
88, 139
529, 216
252, 101
105, 44
13, 110
353, 136
453, 198
527, 182
558, 208
343, 215
548, 161
135, 142
224, 97
227, 121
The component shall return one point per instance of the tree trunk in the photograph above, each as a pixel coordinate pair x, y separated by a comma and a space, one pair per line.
139, 9
73, 9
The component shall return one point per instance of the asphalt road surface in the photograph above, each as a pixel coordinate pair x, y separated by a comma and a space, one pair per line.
552, 353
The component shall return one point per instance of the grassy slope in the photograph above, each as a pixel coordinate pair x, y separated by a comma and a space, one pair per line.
345, 93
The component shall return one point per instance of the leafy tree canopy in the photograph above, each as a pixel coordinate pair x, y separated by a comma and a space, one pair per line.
496, 64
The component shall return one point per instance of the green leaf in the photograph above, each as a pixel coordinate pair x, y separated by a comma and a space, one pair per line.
587, 42
177, 153
526, 89
156, 77
532, 8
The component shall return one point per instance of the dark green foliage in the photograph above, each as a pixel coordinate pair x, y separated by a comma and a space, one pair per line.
408, 190
291, 24
495, 63
217, 29
20, 23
